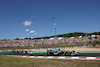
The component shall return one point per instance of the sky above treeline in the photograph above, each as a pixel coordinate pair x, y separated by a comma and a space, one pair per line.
36, 18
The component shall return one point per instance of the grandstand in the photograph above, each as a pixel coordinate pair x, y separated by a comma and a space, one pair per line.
53, 41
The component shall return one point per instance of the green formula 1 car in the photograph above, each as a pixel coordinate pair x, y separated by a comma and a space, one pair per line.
62, 52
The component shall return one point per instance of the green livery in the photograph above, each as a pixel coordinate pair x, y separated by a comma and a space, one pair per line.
62, 52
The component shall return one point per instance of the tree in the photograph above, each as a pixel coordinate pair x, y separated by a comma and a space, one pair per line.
29, 38
26, 38
17, 39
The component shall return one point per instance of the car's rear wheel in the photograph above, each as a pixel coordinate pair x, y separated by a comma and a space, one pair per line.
48, 53
62, 53
25, 52
67, 54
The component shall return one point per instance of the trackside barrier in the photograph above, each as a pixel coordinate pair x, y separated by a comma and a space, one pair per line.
45, 48
84, 46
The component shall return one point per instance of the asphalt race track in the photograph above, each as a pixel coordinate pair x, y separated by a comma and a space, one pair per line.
81, 54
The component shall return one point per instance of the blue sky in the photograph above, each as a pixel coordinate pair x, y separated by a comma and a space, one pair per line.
33, 18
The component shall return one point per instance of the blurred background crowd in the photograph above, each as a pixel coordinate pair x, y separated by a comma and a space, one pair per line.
50, 41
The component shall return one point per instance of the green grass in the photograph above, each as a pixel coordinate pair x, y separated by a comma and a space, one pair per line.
45, 46
30, 62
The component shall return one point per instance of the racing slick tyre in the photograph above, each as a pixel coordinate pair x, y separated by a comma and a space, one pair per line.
25, 52
17, 51
68, 53
62, 53
48, 53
